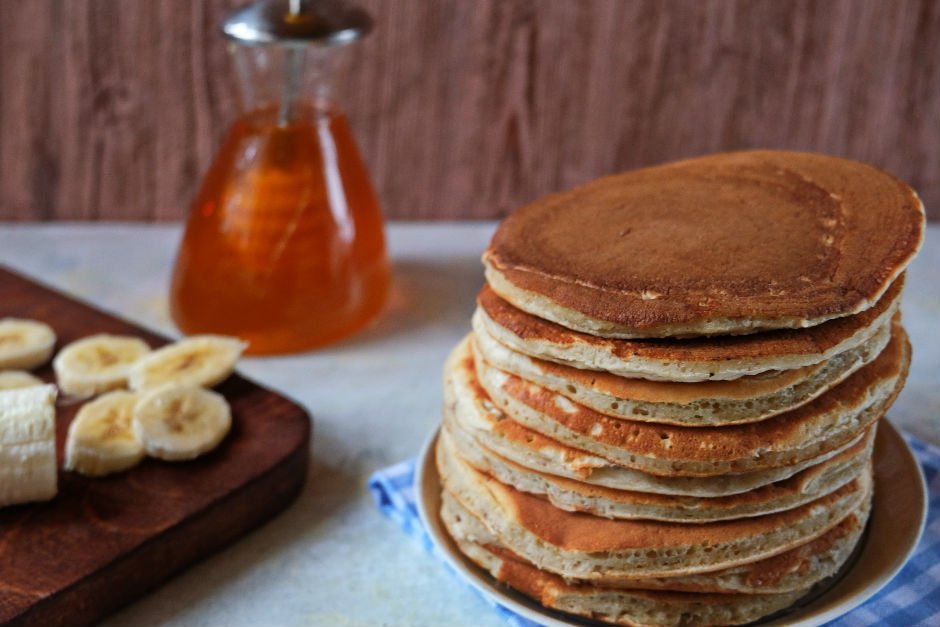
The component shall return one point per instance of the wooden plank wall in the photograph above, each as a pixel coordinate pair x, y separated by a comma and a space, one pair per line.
111, 110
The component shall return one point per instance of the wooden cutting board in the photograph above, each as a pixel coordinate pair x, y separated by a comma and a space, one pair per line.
103, 542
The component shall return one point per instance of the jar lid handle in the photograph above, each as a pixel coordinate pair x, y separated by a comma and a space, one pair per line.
297, 23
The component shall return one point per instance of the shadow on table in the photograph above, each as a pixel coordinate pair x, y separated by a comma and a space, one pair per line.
333, 488
425, 294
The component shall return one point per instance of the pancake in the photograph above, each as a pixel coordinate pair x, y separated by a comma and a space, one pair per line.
582, 546
707, 403
825, 423
469, 410
572, 495
793, 570
715, 358
624, 607
725, 244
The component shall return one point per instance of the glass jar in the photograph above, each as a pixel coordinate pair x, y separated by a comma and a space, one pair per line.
284, 246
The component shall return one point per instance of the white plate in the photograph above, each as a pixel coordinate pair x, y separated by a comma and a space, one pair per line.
897, 520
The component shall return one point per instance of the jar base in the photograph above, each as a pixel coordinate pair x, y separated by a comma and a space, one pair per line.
285, 341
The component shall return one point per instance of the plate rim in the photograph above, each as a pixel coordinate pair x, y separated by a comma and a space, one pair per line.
813, 614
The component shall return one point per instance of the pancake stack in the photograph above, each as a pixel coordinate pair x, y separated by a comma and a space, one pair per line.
666, 410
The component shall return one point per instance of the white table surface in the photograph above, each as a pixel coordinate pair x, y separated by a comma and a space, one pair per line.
332, 558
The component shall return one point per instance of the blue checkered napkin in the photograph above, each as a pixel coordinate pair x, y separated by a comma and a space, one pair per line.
394, 492
911, 599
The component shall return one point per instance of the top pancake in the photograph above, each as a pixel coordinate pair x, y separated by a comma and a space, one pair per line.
726, 244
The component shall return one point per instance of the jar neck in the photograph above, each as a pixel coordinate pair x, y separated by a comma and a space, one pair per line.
289, 84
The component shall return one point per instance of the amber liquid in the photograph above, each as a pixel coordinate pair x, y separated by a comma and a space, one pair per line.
284, 246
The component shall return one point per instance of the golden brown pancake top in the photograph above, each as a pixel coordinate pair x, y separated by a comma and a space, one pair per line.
811, 341
756, 235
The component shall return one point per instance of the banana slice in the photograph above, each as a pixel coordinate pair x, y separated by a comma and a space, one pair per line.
24, 344
177, 423
97, 363
200, 360
27, 445
13, 379
100, 439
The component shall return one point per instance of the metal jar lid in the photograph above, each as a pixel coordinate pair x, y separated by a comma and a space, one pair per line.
297, 23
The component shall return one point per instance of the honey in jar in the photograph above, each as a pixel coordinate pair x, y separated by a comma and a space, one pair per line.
284, 246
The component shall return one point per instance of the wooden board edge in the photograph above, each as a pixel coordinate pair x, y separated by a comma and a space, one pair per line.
195, 538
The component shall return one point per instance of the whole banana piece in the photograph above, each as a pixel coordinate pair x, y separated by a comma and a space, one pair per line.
178, 423
200, 360
100, 439
24, 344
97, 363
